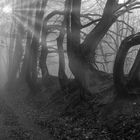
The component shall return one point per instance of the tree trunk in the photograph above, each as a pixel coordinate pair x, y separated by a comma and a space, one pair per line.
123, 84
92, 80
63, 80
35, 44
44, 53
26, 59
18, 52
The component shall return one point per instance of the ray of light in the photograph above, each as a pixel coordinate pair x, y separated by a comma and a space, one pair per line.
29, 28
23, 16
17, 5
26, 3
26, 9
20, 15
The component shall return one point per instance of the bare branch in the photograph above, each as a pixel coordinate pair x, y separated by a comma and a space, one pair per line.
90, 23
126, 7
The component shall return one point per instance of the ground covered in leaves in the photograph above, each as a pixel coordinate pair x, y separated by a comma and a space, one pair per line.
18, 117
117, 121
83, 125
44, 116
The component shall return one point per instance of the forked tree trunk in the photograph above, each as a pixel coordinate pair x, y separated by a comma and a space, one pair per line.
92, 80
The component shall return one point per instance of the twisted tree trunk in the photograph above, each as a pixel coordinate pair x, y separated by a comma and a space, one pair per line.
93, 80
125, 84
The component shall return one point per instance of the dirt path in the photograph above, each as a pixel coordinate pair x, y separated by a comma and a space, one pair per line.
25, 114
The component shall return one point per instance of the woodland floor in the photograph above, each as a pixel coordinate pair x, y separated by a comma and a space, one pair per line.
43, 116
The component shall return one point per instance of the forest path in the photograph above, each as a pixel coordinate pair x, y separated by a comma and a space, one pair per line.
14, 104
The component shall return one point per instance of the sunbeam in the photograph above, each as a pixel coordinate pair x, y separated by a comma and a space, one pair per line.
24, 16
13, 12
29, 28
25, 4
25, 9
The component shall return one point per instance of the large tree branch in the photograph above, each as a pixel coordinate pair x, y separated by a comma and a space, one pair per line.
94, 37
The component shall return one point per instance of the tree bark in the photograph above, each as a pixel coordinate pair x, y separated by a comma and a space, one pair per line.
124, 85
44, 53
18, 52
63, 80
92, 80
35, 44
